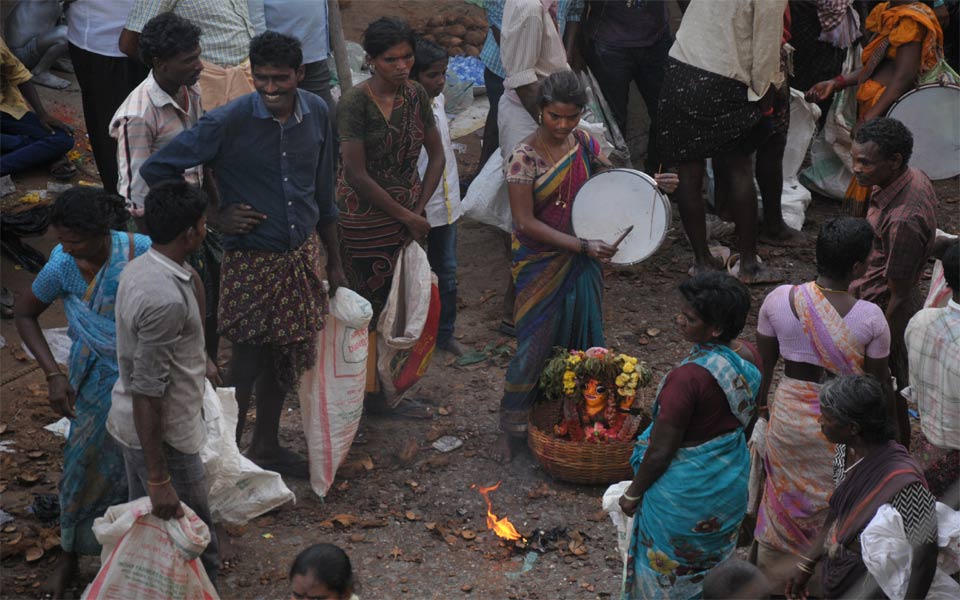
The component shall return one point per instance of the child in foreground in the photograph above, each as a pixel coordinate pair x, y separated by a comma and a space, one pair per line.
322, 572
443, 209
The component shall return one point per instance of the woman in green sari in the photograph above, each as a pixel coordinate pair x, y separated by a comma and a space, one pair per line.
557, 275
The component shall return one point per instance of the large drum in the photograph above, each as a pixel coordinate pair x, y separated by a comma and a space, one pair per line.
609, 203
932, 113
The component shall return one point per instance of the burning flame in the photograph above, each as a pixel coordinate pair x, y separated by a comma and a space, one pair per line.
503, 528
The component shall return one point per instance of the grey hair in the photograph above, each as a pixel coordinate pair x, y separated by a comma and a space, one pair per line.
563, 87
859, 399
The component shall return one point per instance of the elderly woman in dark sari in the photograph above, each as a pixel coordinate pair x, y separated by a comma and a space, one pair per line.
689, 491
557, 275
875, 470
383, 123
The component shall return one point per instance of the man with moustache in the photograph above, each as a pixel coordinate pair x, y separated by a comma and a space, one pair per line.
165, 104
274, 154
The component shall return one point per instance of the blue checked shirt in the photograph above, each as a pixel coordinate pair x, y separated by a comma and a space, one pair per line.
567, 10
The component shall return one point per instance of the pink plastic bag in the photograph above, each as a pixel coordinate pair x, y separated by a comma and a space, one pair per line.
148, 558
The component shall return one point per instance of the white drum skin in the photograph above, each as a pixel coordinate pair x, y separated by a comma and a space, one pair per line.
932, 114
611, 201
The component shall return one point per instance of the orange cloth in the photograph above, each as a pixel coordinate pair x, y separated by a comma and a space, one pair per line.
897, 25
900, 25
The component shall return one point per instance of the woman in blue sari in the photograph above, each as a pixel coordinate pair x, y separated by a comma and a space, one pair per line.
557, 275
689, 491
83, 270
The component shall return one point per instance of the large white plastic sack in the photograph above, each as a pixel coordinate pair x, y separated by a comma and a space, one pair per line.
239, 489
60, 343
622, 523
887, 554
486, 200
331, 393
148, 558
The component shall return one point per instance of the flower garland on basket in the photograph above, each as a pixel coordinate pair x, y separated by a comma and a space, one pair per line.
597, 388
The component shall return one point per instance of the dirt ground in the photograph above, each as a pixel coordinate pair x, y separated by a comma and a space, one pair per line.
412, 524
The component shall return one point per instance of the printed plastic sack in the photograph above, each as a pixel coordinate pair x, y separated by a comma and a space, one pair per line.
486, 200
887, 554
331, 393
623, 523
148, 558
239, 489
407, 329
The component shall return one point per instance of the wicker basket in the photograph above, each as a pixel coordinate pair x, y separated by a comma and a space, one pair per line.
586, 463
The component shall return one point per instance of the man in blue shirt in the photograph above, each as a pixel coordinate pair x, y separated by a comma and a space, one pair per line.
273, 153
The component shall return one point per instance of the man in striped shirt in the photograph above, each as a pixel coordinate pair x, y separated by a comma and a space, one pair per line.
156, 111
166, 103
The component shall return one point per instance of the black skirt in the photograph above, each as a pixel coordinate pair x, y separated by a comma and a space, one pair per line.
703, 114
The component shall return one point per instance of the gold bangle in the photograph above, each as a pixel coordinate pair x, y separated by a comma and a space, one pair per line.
159, 483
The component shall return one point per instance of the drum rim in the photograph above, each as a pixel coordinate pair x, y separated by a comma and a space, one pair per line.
668, 213
917, 89
935, 84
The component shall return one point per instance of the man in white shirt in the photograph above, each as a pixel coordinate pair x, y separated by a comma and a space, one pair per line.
717, 102
105, 74
530, 49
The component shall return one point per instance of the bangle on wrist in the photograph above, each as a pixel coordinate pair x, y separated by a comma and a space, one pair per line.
629, 498
841, 81
55, 374
159, 483
805, 569
767, 112
584, 246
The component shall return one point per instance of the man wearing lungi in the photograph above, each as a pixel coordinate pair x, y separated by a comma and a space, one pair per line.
718, 101
274, 154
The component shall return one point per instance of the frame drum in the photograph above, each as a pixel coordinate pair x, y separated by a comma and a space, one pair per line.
610, 202
932, 114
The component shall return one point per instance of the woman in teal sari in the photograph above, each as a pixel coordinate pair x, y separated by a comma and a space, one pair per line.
557, 275
83, 270
689, 491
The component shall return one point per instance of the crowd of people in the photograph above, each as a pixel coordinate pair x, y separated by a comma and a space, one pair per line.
234, 186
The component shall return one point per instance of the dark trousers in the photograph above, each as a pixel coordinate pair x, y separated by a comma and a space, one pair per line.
442, 254
316, 79
615, 67
491, 132
105, 82
189, 478
25, 143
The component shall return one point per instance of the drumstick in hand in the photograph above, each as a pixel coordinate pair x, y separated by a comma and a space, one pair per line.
622, 236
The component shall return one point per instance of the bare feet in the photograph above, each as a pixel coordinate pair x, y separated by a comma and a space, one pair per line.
719, 255
758, 274
452, 346
505, 448
48, 79
785, 237
62, 575
281, 460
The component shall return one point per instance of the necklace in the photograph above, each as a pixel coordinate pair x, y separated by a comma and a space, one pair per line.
825, 289
376, 100
561, 201
850, 468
